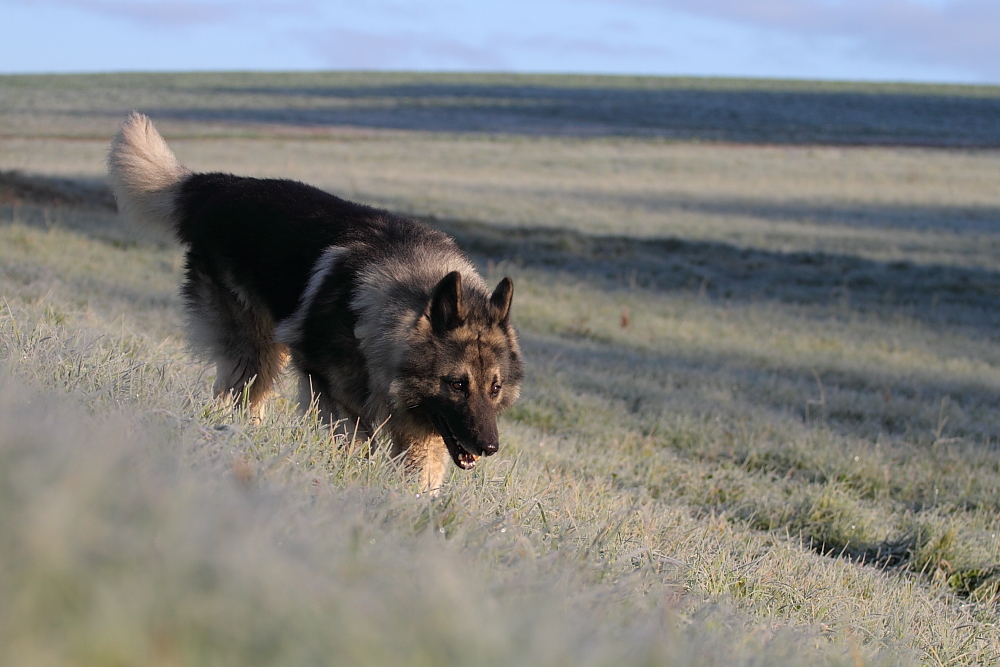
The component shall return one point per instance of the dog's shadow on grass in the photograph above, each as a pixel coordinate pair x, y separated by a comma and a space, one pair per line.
83, 206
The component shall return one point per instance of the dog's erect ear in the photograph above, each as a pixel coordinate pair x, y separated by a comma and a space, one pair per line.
501, 298
446, 304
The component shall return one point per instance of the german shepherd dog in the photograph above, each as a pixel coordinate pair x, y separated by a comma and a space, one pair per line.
385, 320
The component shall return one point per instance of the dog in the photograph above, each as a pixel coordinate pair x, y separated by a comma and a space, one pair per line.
385, 320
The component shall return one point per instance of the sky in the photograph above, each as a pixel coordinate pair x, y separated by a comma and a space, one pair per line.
883, 40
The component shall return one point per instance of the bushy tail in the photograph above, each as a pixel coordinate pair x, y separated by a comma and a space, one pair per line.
145, 177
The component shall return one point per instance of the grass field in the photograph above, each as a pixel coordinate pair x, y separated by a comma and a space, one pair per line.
759, 425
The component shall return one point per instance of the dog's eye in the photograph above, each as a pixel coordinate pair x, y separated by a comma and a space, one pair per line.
458, 385
495, 389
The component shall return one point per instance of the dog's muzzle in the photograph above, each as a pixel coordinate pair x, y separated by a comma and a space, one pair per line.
463, 457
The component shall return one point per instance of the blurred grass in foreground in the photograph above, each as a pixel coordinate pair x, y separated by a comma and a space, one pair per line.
138, 531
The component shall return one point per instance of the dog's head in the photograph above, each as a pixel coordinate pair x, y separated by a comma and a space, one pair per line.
469, 366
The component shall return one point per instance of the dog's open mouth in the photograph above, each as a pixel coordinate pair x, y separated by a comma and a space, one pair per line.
462, 457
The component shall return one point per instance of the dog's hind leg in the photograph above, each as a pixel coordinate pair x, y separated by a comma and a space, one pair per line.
246, 376
239, 338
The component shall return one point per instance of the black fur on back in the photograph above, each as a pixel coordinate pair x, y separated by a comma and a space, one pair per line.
269, 233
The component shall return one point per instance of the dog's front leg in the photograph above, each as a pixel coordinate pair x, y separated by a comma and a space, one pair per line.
427, 460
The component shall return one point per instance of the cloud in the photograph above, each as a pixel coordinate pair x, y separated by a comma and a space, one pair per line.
358, 49
962, 34
558, 45
498, 49
162, 12
184, 13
